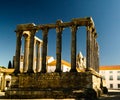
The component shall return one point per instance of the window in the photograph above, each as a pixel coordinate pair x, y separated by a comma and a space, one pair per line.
103, 77
110, 77
111, 85
118, 85
118, 71
7, 83
110, 71
102, 72
118, 77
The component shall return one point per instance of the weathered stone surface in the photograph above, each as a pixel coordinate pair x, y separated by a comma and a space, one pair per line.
58, 46
73, 48
31, 51
52, 80
52, 85
14, 81
26, 52
18, 47
44, 49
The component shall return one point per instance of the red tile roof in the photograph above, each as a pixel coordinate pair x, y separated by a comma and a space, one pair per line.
112, 67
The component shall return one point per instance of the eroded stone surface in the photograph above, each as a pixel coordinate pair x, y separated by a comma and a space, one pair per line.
61, 85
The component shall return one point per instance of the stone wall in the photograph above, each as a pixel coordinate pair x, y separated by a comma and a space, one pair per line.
14, 81
61, 85
54, 80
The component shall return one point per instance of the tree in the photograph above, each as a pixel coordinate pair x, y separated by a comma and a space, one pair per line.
2, 67
9, 65
13, 64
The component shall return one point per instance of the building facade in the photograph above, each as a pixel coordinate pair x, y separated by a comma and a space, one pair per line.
5, 78
65, 66
111, 74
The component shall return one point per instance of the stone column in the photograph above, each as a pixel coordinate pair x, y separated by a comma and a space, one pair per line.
3, 84
44, 50
34, 55
18, 49
31, 51
38, 57
73, 48
92, 49
96, 54
89, 48
97, 57
58, 46
26, 52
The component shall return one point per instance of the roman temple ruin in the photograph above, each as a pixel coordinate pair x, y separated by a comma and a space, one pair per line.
39, 84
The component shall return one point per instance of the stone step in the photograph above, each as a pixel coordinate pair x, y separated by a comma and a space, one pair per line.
56, 94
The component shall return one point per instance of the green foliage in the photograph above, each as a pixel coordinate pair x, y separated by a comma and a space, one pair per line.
2, 67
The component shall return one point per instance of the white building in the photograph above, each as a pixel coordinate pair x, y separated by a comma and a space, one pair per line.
5, 78
50, 62
111, 74
65, 66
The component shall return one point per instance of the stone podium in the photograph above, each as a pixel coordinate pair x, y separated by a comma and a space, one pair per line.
53, 85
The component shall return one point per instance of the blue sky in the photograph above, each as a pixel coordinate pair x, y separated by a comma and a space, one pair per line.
105, 13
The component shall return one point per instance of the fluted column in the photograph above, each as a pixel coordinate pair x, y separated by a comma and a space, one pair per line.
92, 49
31, 51
96, 54
58, 46
26, 52
18, 49
97, 57
89, 48
34, 55
44, 50
98, 60
73, 48
3, 83
38, 57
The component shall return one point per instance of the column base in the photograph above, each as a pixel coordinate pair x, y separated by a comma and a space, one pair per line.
16, 72
73, 70
43, 71
30, 71
58, 70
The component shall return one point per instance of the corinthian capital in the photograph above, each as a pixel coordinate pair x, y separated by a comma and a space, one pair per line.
45, 30
74, 28
59, 28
